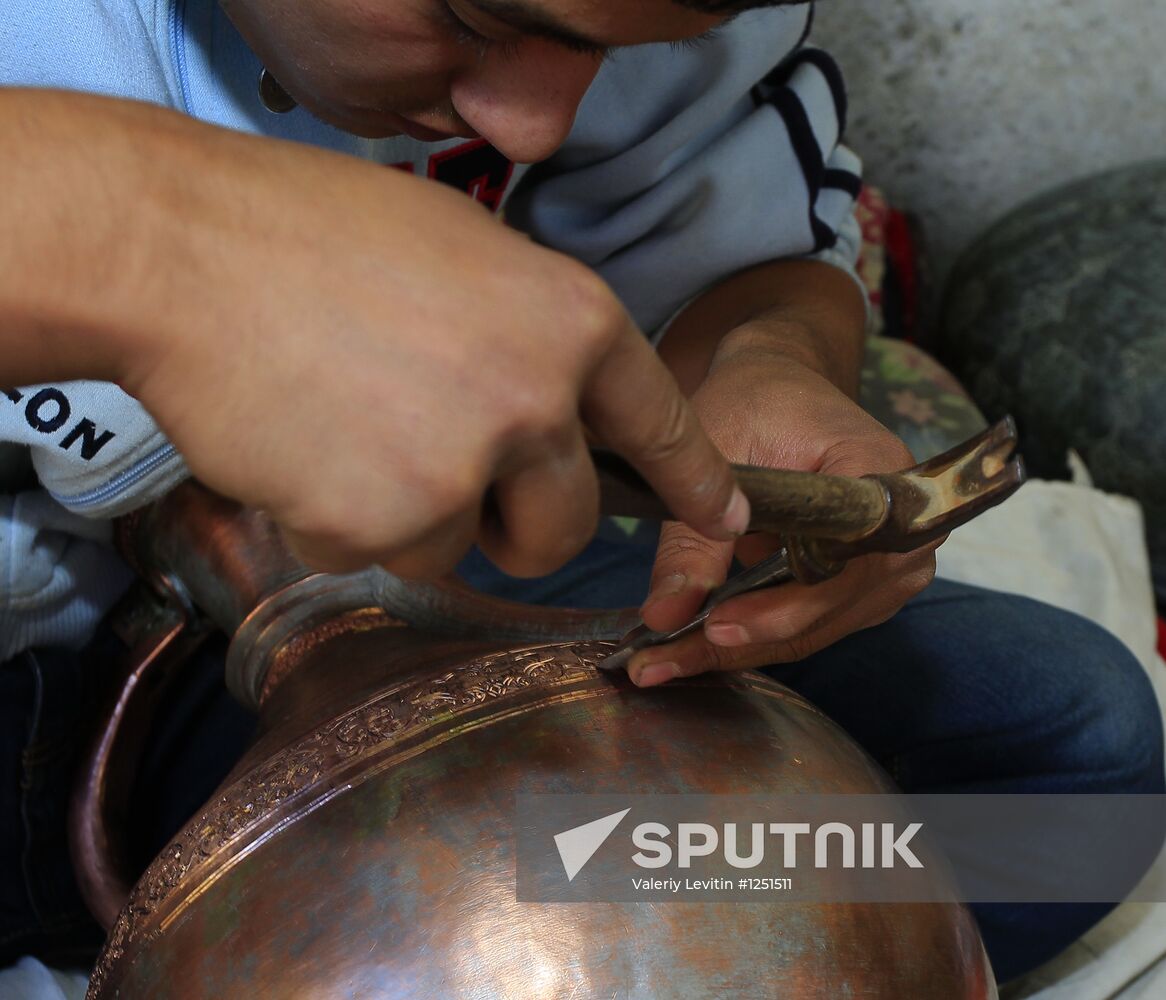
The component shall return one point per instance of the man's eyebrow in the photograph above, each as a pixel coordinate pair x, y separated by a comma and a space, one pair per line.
532, 20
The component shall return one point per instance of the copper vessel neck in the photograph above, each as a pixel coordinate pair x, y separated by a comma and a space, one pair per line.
233, 564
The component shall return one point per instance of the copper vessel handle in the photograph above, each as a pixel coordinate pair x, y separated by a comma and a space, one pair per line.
162, 633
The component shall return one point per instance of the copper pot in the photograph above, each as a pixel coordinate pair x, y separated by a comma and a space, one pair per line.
364, 846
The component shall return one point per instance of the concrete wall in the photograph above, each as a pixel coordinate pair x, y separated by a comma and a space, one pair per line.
962, 108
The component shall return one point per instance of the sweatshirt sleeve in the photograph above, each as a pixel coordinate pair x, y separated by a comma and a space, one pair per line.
58, 574
687, 164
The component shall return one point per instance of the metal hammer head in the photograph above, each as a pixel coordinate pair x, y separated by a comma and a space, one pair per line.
934, 497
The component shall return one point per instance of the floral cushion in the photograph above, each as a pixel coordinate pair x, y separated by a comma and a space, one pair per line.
918, 399
904, 388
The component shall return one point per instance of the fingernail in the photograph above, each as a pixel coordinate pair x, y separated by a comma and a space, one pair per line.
673, 583
657, 673
736, 519
726, 634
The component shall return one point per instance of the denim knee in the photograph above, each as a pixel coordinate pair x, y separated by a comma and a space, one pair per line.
970, 690
1099, 709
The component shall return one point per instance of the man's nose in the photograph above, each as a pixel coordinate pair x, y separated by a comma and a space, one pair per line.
524, 100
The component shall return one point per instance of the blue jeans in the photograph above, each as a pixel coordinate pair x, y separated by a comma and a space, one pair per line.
965, 690
48, 700
42, 705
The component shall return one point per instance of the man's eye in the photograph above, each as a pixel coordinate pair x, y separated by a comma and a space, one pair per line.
696, 41
466, 34
452, 24
596, 52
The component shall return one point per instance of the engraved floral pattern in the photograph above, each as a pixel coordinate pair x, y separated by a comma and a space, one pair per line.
239, 812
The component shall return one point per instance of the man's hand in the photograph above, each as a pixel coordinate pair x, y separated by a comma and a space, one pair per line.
764, 408
372, 359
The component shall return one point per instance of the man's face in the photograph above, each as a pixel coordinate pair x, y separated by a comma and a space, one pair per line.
512, 71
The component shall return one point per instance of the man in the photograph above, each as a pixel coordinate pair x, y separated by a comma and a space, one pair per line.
364, 353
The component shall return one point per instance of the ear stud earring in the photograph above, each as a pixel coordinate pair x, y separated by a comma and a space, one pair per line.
277, 100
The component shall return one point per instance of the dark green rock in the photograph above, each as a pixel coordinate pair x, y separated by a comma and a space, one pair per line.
1058, 315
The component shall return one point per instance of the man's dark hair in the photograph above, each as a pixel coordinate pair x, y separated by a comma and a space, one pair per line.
735, 6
